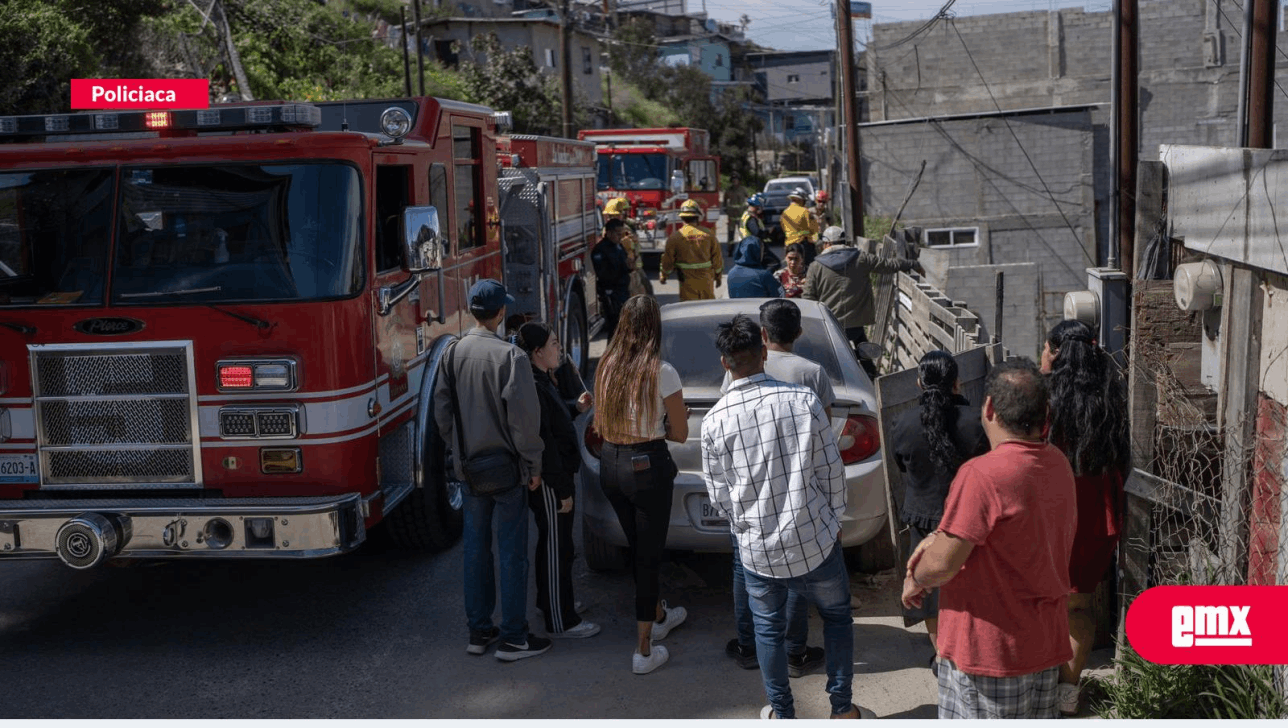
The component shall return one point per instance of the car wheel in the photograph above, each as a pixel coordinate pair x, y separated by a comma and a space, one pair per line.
600, 554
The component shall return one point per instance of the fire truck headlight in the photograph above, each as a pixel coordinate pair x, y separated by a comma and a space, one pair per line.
272, 376
395, 122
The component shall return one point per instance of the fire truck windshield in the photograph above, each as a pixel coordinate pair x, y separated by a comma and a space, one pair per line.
633, 171
208, 233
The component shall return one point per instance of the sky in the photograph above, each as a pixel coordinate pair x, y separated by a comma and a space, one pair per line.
809, 24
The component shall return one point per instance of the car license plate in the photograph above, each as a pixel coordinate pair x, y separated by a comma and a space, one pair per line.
709, 515
18, 468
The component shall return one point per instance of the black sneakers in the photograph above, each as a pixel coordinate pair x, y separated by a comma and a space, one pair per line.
744, 656
810, 659
533, 647
479, 641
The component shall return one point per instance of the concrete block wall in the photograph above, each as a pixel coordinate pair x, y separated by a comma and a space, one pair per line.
976, 286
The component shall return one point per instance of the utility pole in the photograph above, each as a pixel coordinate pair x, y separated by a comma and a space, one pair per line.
1259, 124
565, 71
854, 176
402, 12
420, 59
1124, 150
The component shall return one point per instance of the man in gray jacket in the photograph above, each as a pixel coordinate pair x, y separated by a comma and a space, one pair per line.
494, 385
841, 279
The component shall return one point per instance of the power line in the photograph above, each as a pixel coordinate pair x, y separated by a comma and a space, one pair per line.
988, 177
943, 13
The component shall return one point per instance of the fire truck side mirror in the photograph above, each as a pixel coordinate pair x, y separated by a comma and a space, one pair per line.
424, 243
677, 182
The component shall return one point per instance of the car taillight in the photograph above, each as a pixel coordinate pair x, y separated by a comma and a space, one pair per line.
594, 443
860, 439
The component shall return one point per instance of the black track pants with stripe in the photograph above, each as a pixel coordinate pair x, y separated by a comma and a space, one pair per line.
553, 560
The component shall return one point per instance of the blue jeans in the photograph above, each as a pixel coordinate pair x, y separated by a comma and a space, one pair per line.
510, 510
828, 588
797, 611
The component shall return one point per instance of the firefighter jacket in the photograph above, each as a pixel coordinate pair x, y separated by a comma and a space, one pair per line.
696, 254
751, 226
798, 224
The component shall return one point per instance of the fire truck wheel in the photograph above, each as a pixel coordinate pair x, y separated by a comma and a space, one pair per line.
600, 554
430, 518
576, 341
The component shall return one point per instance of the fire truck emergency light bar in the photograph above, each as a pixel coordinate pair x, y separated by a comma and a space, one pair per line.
224, 118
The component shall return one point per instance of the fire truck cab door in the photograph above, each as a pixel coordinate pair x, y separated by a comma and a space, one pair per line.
395, 334
527, 245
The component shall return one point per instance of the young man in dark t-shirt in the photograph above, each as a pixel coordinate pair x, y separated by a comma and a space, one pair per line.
1001, 556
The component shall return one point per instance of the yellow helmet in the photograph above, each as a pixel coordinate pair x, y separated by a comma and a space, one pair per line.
690, 208
617, 206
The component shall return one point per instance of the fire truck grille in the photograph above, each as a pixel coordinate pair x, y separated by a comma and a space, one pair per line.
116, 417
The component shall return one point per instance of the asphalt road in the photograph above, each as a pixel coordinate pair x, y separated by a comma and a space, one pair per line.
381, 634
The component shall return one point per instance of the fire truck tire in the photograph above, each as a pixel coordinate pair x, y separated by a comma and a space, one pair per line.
576, 337
600, 554
427, 519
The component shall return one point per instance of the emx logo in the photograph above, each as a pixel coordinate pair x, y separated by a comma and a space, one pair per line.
1210, 625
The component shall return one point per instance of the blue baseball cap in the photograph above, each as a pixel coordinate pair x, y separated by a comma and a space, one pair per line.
489, 295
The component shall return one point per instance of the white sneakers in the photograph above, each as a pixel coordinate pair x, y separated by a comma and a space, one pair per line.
583, 630
672, 617
1067, 697
644, 664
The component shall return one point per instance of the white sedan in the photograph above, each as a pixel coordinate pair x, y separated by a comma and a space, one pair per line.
688, 343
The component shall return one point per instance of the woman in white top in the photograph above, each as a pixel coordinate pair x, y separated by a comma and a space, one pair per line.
639, 405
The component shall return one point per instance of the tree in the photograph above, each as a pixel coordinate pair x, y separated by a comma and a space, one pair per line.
46, 43
632, 55
510, 81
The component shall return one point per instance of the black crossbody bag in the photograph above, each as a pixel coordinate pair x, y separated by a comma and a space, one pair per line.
488, 473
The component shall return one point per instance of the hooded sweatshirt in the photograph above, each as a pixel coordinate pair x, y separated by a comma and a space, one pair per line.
748, 278
841, 279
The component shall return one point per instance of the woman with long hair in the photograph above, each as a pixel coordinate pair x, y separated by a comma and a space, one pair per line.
552, 502
930, 443
639, 406
1089, 422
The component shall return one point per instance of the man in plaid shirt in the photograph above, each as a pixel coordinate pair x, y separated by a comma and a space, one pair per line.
771, 465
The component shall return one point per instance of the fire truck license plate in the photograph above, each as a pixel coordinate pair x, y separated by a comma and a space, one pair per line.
18, 469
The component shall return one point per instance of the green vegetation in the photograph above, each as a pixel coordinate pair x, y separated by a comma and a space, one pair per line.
1142, 689
510, 80
46, 43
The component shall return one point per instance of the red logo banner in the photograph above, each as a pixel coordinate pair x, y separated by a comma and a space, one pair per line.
1210, 625
140, 93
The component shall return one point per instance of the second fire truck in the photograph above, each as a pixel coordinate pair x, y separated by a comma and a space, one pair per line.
656, 170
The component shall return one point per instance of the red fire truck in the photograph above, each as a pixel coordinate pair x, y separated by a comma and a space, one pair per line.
219, 329
657, 170
550, 224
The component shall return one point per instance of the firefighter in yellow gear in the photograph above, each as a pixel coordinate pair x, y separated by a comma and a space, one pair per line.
695, 253
799, 225
620, 208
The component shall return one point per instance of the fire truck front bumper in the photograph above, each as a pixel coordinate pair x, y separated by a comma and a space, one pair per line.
85, 533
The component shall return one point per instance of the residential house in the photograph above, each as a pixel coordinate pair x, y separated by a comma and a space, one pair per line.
450, 39
799, 91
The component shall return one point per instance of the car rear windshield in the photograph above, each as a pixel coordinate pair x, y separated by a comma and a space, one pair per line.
689, 345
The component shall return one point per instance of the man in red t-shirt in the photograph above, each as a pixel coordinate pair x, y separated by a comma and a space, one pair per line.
1001, 555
